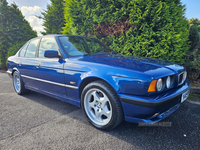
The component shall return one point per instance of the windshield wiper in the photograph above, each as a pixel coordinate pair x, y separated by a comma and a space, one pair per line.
113, 52
86, 54
99, 53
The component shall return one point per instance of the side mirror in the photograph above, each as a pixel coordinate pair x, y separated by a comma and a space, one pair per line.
51, 54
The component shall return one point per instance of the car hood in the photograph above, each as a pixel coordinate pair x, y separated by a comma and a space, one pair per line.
149, 66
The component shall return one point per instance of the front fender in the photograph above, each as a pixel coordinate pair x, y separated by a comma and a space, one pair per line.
121, 85
123, 81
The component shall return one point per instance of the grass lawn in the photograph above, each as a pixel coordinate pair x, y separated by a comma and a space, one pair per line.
194, 97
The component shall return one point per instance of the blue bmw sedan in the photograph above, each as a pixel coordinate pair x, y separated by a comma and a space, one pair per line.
109, 87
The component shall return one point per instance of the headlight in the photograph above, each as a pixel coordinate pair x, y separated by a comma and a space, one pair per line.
184, 76
159, 85
168, 82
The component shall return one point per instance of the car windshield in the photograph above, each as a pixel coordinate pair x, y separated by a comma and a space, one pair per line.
79, 46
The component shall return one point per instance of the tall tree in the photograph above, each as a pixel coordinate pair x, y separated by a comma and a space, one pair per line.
193, 37
155, 28
195, 21
53, 17
13, 28
3, 38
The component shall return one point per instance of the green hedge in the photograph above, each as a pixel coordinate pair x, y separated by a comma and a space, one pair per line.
14, 48
155, 28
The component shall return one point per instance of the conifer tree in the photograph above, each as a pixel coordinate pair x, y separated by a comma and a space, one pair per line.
3, 37
53, 17
13, 28
195, 21
193, 37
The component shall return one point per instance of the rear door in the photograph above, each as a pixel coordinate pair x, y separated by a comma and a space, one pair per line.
27, 63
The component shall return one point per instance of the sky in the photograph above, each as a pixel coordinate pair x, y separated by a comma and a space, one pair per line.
192, 8
30, 8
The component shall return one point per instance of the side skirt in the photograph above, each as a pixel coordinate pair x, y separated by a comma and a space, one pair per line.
72, 101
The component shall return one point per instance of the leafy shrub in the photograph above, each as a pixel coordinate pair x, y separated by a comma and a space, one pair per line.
193, 64
193, 61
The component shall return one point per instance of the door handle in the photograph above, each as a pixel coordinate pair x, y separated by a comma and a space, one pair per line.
37, 65
19, 63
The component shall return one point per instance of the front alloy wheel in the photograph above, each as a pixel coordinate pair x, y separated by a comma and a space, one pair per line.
98, 106
101, 105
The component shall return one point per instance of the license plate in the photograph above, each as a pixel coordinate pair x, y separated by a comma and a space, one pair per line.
185, 95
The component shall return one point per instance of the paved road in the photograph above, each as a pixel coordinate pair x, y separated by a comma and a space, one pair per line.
35, 121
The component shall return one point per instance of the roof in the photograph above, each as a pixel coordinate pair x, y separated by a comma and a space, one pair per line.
56, 35
65, 35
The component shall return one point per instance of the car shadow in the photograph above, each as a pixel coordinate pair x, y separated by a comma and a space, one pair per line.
182, 133
52, 103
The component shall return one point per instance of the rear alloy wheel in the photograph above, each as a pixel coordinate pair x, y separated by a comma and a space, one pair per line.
18, 84
101, 105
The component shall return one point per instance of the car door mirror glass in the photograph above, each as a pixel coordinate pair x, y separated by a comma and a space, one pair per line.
51, 54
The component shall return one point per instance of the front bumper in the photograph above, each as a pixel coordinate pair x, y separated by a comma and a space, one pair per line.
138, 109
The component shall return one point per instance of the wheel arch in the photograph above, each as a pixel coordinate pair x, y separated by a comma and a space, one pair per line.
118, 108
15, 69
88, 80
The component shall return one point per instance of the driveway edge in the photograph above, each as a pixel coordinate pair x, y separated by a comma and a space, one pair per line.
2, 71
195, 90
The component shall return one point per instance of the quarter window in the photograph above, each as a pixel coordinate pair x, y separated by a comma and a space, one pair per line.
23, 50
47, 43
32, 47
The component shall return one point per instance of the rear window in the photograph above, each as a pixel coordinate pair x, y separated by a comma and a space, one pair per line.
32, 47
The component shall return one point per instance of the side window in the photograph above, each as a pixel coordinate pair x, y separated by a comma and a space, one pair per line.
31, 50
47, 43
74, 46
23, 50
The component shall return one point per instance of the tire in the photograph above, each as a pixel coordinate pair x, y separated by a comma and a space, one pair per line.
101, 105
18, 84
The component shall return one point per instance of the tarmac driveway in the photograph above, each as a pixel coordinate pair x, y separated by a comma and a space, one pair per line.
35, 121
